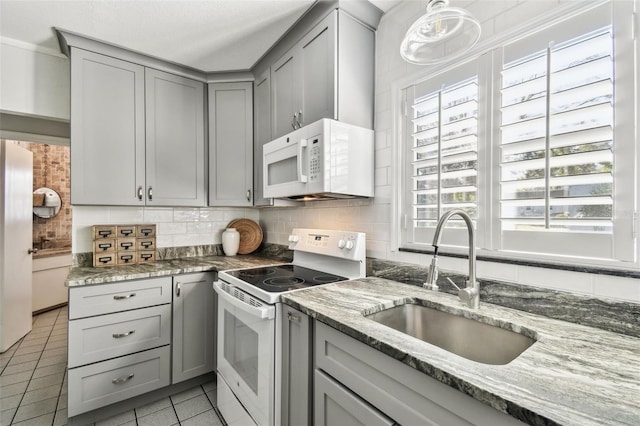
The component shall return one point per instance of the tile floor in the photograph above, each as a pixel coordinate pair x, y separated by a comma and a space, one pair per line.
33, 385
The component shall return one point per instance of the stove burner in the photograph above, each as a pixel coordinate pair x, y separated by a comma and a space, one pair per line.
326, 278
282, 281
257, 272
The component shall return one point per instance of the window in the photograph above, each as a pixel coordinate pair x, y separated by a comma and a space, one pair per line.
553, 173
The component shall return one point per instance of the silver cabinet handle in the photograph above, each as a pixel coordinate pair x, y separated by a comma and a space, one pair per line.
129, 296
294, 120
299, 119
121, 335
122, 379
178, 289
150, 194
293, 318
249, 195
32, 250
140, 193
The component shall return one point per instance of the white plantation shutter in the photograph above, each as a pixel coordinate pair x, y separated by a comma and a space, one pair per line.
557, 138
537, 141
442, 153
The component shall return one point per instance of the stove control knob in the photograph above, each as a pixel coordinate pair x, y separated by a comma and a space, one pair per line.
349, 245
341, 244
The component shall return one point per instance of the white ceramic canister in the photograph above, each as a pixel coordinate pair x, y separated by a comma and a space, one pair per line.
230, 241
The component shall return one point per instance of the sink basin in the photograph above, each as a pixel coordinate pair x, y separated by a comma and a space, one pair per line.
462, 336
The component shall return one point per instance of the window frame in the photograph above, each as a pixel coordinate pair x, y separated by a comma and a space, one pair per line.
488, 230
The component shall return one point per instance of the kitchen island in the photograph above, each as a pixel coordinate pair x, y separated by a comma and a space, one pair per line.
572, 374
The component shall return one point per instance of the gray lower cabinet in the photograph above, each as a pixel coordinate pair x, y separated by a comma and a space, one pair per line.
119, 342
393, 388
137, 134
132, 337
231, 144
337, 405
194, 326
297, 367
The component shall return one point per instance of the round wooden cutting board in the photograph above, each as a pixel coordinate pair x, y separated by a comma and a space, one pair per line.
250, 235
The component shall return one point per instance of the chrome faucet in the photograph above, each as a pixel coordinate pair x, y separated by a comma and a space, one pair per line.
471, 294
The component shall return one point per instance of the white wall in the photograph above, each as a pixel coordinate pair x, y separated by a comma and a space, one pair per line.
177, 227
374, 216
34, 80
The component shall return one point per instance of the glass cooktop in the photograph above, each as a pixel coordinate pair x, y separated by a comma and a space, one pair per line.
279, 278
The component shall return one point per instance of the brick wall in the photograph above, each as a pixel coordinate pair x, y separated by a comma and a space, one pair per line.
51, 169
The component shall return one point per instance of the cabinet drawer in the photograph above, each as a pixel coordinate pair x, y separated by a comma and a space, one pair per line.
126, 258
104, 231
146, 230
108, 336
126, 231
125, 244
399, 391
98, 385
87, 301
106, 259
337, 405
104, 245
147, 243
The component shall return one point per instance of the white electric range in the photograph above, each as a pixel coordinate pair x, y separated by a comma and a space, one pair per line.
250, 319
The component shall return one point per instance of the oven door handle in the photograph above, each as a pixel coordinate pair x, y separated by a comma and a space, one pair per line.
265, 312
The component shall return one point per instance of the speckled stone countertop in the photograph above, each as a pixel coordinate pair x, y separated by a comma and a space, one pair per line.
572, 374
88, 275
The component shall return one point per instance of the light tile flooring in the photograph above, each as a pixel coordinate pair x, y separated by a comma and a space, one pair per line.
33, 385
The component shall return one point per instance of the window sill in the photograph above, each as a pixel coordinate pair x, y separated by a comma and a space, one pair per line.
626, 273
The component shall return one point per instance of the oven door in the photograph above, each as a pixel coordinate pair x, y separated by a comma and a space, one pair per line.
246, 351
285, 166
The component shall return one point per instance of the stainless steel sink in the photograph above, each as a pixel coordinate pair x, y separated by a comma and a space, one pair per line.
462, 336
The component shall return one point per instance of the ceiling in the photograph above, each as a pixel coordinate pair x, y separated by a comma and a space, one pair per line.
212, 35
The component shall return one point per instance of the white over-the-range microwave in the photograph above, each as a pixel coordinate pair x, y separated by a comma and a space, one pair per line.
324, 160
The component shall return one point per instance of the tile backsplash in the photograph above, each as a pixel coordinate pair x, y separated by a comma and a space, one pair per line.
176, 227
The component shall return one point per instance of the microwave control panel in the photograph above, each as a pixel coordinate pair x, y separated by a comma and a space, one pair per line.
315, 158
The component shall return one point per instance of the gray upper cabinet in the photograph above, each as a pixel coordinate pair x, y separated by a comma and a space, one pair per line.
107, 130
261, 132
328, 73
231, 144
284, 93
175, 159
137, 134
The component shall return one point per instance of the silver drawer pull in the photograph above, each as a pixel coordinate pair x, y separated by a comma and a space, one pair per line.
124, 297
293, 318
119, 335
122, 379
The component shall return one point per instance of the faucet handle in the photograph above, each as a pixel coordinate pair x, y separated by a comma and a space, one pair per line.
452, 283
468, 295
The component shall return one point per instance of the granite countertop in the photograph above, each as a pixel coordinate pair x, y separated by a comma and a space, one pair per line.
79, 276
572, 374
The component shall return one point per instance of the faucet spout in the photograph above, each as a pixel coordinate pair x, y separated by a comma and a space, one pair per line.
471, 293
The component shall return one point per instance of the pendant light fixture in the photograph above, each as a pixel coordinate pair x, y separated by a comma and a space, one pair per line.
442, 34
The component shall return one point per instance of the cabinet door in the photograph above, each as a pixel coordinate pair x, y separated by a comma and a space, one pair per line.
194, 331
337, 405
318, 62
261, 132
107, 130
284, 94
296, 367
231, 144
175, 159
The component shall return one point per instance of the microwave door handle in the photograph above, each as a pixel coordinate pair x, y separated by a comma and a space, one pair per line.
265, 312
301, 177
